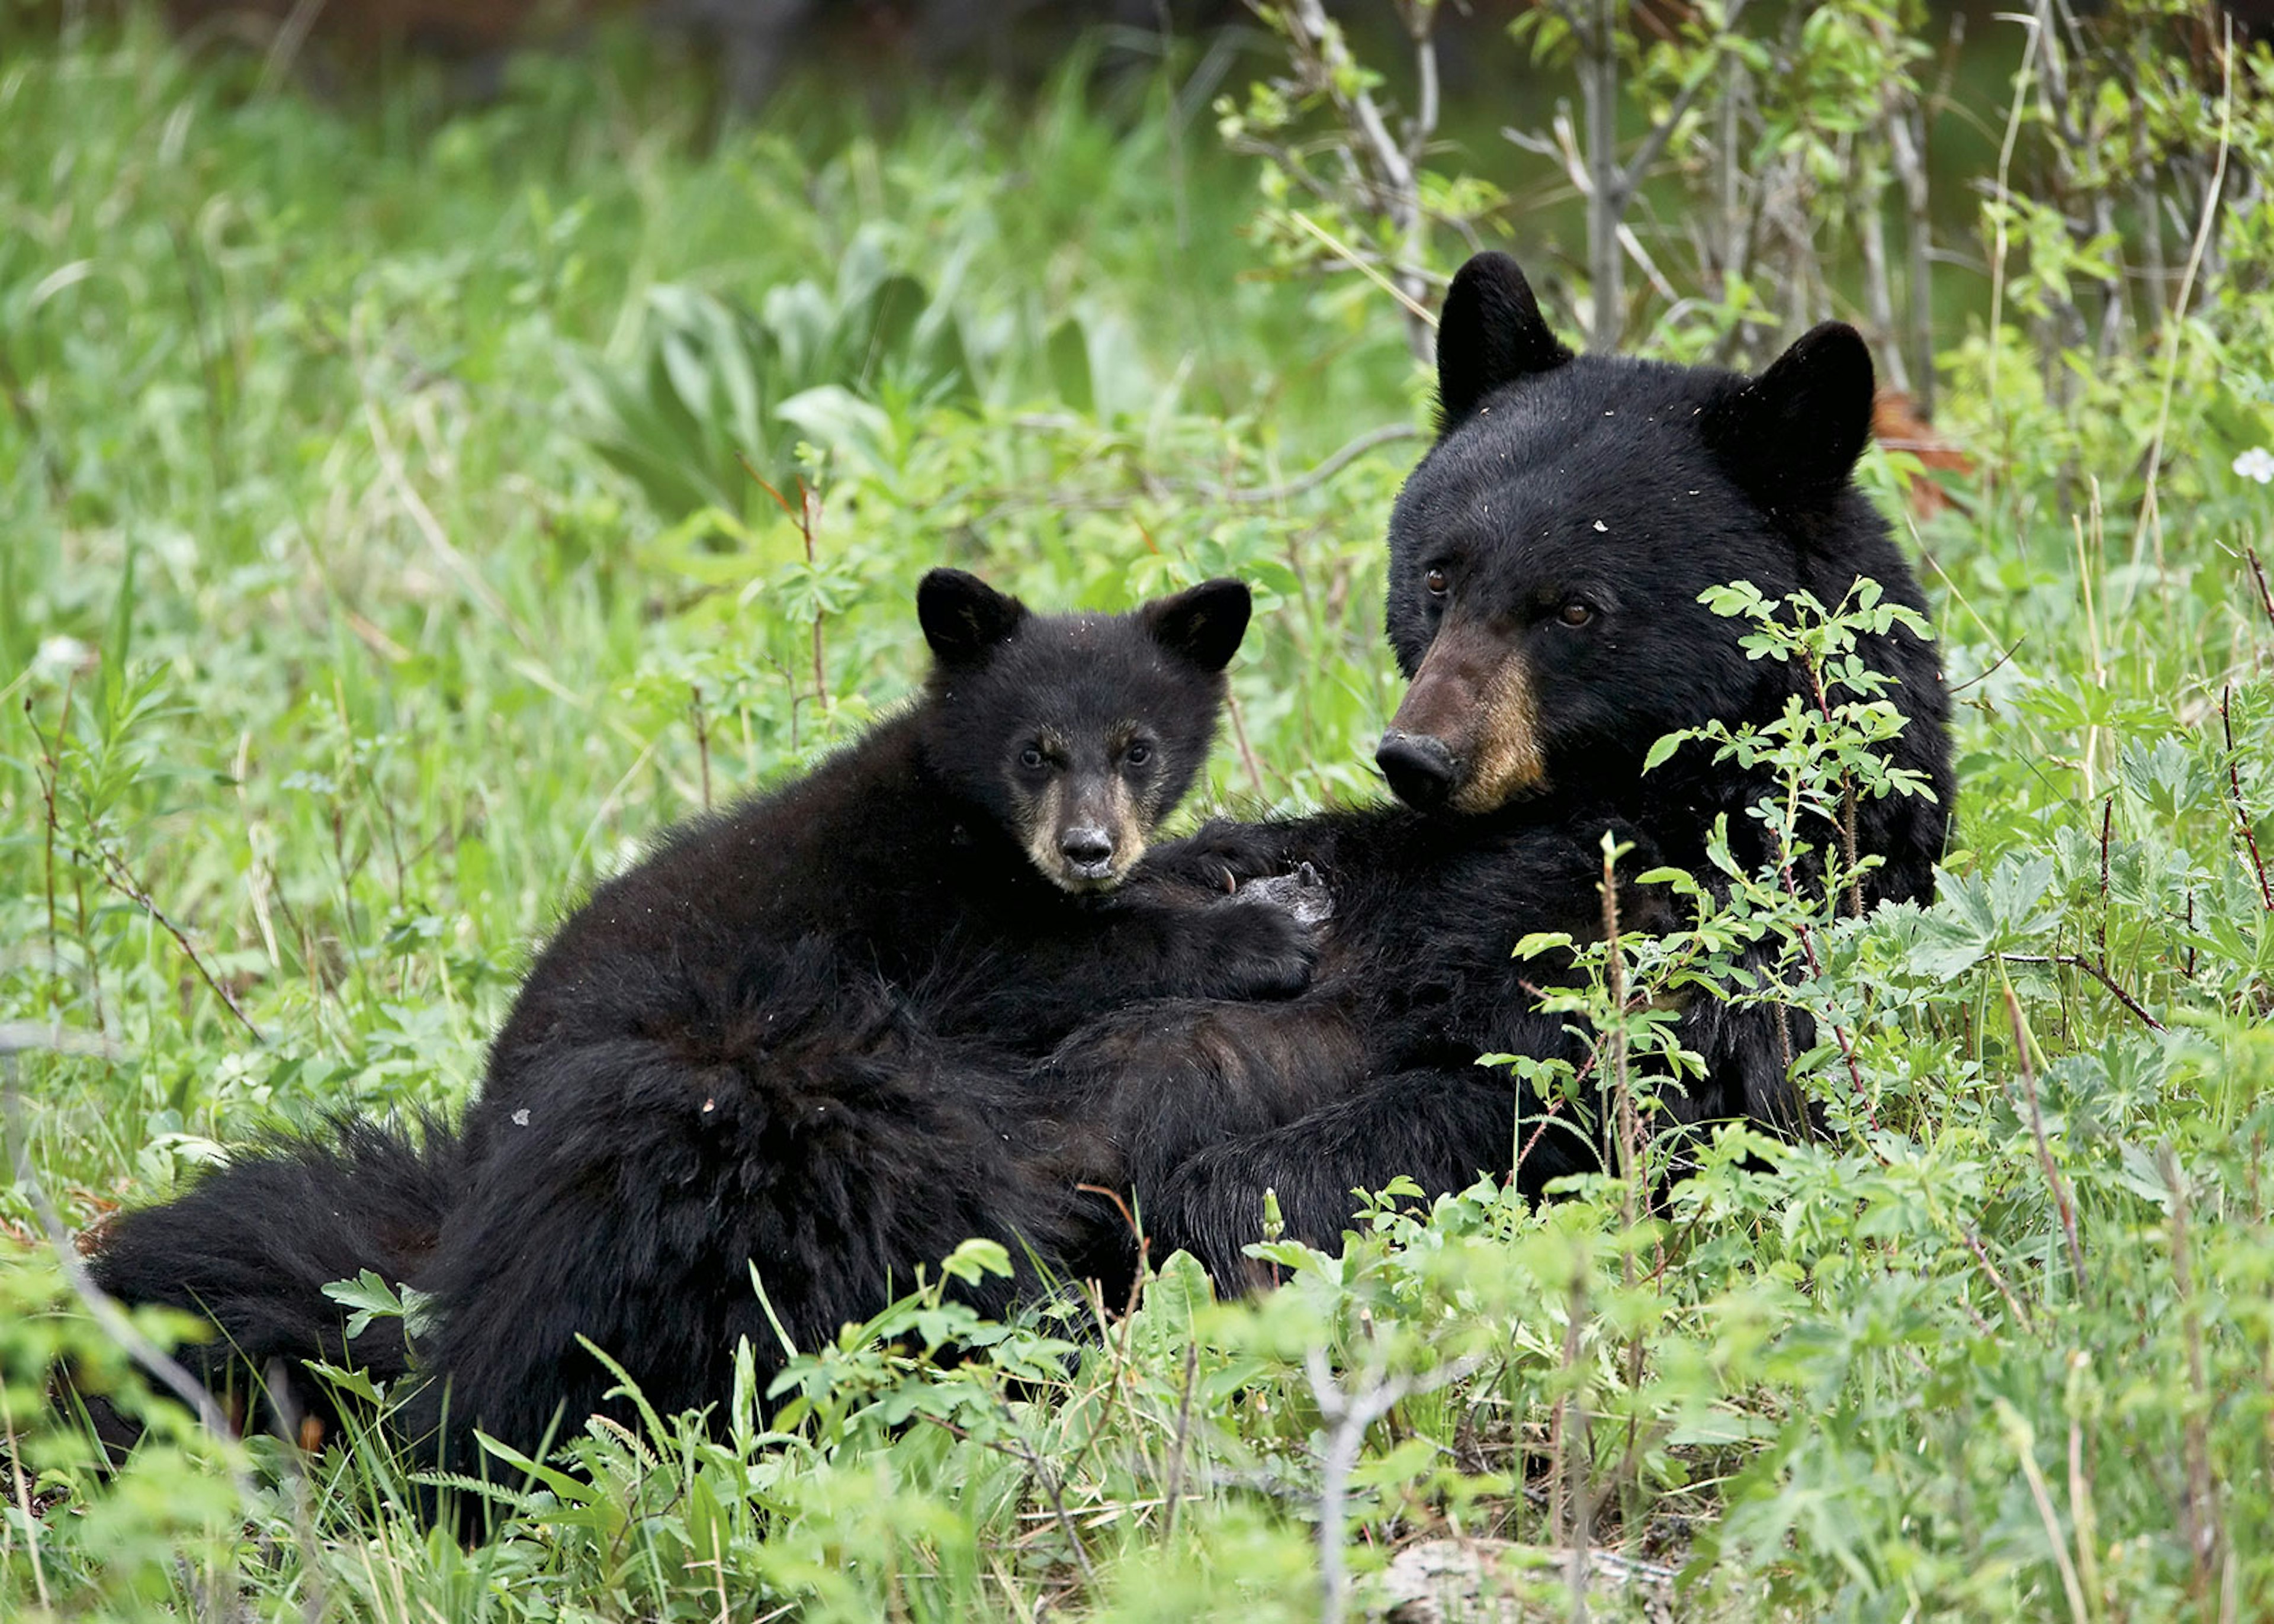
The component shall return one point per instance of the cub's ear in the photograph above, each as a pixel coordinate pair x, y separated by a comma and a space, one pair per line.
1202, 624
1490, 333
1792, 435
964, 618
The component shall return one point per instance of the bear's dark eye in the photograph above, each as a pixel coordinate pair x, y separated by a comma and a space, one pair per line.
1031, 759
1576, 613
1137, 754
1436, 581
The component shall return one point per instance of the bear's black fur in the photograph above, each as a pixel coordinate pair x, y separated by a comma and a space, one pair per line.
788, 1040
1546, 559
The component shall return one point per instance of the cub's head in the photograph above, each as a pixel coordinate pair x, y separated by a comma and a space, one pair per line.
1547, 553
1077, 733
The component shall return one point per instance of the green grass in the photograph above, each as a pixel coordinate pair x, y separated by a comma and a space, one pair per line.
349, 630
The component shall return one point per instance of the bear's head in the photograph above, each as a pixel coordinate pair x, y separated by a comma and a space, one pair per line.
1549, 552
1076, 734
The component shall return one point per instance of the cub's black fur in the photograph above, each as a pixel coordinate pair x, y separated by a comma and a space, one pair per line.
789, 1040
1546, 562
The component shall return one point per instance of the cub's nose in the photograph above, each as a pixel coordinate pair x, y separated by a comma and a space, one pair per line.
1420, 769
1089, 851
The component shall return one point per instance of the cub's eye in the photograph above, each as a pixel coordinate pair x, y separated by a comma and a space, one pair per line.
1137, 754
1576, 613
1031, 759
1436, 581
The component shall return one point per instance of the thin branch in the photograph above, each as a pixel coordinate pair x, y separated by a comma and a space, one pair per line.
2150, 514
2242, 823
100, 1304
2062, 1204
1388, 434
2258, 573
2077, 961
114, 873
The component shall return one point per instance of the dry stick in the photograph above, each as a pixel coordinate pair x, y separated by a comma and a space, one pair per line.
1176, 1484
2078, 962
2017, 1433
701, 738
2241, 809
46, 770
806, 515
1320, 474
99, 1304
1573, 1509
113, 872
1247, 751
1415, 310
2053, 1179
1350, 1415
2005, 197
1399, 193
24, 1503
1024, 1453
430, 528
1974, 1244
2265, 594
2204, 1537
2150, 514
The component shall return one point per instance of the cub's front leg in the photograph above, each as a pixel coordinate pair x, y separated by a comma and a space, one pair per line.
1222, 855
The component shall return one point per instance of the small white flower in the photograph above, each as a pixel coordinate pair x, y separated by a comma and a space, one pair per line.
2256, 463
60, 656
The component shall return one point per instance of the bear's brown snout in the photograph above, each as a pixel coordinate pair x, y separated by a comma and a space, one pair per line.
1466, 735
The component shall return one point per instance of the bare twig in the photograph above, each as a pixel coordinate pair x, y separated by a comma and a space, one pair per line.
1176, 1483
2062, 1204
1349, 1415
114, 873
1319, 473
702, 737
1386, 165
2151, 516
1981, 1256
2242, 824
2077, 961
2199, 1516
2258, 571
100, 1304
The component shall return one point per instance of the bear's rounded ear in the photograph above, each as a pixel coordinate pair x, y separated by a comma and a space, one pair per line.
1792, 435
1202, 624
964, 618
1490, 333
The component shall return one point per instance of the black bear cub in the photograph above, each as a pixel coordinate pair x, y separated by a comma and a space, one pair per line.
787, 1045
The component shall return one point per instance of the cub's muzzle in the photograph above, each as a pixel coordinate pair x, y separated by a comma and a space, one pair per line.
1088, 851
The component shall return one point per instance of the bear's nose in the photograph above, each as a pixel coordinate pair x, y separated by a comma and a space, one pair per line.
1420, 769
1089, 850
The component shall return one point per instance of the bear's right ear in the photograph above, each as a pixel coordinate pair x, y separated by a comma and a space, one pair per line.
1791, 436
964, 618
1204, 623
1490, 333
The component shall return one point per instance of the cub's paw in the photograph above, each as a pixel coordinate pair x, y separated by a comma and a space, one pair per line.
1255, 949
1303, 894
1219, 856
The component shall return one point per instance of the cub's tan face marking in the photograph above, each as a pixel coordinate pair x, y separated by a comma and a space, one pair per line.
1473, 695
1090, 797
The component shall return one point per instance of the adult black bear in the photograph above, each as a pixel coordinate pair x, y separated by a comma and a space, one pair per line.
1546, 559
788, 1040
